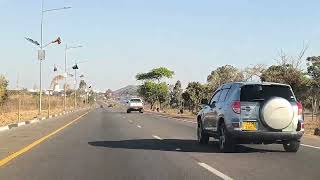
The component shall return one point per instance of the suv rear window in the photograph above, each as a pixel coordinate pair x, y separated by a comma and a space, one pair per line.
135, 100
258, 92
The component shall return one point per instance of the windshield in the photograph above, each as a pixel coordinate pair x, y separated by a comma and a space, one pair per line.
265, 92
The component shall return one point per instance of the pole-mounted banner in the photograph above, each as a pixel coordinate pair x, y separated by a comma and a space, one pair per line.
41, 55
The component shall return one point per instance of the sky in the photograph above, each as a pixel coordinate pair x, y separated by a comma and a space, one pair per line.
121, 38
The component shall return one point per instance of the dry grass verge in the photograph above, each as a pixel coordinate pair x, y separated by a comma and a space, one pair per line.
29, 108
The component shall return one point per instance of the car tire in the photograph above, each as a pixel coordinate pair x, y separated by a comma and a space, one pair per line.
291, 146
128, 111
141, 111
226, 143
203, 138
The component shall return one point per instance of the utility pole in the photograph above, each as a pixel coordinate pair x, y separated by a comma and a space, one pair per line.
65, 78
49, 106
41, 46
75, 88
19, 100
41, 52
65, 71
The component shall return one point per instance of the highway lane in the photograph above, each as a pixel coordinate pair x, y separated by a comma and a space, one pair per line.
249, 162
111, 144
81, 152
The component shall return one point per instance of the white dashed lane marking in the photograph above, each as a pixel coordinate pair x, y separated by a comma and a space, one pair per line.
138, 126
157, 137
214, 171
306, 145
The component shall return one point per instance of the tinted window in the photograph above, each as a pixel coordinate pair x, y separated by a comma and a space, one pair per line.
265, 92
223, 95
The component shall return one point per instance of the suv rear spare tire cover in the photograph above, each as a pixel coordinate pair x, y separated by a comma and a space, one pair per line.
277, 113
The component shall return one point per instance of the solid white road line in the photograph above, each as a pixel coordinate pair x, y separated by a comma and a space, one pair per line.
214, 171
306, 145
21, 123
34, 121
4, 128
157, 137
138, 126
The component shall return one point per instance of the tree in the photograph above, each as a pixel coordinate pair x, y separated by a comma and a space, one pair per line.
82, 85
288, 74
187, 103
156, 74
154, 92
193, 95
3, 89
313, 70
148, 90
250, 73
288, 70
176, 95
91, 97
108, 94
162, 91
222, 75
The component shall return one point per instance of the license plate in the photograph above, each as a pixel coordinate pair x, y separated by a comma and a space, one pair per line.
249, 126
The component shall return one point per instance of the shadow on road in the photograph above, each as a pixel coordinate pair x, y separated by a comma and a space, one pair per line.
172, 145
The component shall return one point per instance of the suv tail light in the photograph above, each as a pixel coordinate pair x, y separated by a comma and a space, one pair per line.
236, 106
302, 126
299, 108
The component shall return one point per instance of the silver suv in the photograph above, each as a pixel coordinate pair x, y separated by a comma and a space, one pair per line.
242, 113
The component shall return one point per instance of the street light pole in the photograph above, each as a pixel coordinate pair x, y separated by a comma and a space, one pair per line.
75, 88
65, 78
41, 48
41, 44
65, 71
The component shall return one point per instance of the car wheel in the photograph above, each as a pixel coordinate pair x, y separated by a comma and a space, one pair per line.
226, 143
203, 138
128, 111
141, 111
291, 146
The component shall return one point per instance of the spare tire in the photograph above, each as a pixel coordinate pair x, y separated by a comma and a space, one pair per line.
277, 113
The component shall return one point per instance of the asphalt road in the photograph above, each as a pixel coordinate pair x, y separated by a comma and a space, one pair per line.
111, 144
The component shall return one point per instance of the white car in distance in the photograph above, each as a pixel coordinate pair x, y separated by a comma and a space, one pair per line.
135, 104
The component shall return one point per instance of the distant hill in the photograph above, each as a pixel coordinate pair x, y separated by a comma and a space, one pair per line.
130, 90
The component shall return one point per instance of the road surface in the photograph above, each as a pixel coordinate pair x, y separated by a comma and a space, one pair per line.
111, 144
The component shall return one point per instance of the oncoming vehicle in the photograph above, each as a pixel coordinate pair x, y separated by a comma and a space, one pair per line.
242, 112
135, 104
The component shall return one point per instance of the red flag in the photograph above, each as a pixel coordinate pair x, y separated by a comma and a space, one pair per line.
58, 40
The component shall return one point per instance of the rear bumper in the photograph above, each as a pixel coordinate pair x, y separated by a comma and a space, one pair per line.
263, 136
136, 108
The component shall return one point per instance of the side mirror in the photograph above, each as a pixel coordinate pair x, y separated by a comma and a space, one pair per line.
204, 102
213, 104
